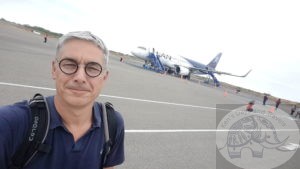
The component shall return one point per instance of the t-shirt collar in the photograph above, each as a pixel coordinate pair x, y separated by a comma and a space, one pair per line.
56, 120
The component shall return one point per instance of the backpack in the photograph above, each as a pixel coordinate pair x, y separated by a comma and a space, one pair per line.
39, 126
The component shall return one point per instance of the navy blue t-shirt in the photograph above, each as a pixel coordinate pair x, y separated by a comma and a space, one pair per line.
65, 153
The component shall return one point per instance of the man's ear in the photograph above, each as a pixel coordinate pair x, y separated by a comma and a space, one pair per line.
105, 77
53, 72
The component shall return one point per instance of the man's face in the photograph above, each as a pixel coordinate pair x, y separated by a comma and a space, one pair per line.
79, 89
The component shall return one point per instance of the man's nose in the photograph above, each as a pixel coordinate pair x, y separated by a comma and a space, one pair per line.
80, 75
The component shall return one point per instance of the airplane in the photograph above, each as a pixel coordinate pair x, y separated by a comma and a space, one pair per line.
180, 66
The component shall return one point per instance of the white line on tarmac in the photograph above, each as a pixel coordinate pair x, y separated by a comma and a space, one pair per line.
25, 86
159, 102
202, 130
167, 131
151, 101
117, 97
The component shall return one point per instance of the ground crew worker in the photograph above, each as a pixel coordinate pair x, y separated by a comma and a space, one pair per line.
250, 106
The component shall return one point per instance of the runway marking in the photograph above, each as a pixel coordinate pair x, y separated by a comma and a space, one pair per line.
159, 102
151, 101
110, 96
25, 86
120, 97
201, 130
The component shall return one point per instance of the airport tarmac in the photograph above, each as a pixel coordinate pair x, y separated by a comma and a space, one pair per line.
169, 122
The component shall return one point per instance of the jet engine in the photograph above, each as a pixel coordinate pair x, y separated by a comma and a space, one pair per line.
182, 70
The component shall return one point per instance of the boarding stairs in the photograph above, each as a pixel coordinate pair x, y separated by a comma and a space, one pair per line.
156, 63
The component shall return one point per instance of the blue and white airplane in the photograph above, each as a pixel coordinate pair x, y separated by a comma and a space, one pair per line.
180, 65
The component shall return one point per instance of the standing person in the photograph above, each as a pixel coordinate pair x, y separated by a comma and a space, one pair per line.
298, 113
293, 109
265, 99
278, 101
45, 38
76, 127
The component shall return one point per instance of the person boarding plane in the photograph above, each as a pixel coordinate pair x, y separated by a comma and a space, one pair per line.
179, 65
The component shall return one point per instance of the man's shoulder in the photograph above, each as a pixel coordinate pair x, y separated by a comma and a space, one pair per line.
119, 118
117, 115
14, 120
14, 111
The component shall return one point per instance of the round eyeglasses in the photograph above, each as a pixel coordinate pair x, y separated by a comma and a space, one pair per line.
70, 66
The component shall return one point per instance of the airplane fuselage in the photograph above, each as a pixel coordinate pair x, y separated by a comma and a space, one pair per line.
180, 65
142, 53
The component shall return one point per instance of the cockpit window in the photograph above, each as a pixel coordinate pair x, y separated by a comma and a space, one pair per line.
140, 47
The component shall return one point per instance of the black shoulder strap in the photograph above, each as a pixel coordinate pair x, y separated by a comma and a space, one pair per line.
112, 121
110, 128
36, 135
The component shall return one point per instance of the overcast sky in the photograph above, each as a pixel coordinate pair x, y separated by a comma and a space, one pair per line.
262, 35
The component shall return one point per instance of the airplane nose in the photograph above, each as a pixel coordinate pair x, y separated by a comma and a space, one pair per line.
139, 53
133, 52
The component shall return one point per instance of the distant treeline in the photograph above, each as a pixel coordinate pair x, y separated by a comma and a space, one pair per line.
41, 30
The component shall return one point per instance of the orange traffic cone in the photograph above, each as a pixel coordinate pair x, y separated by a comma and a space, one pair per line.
225, 93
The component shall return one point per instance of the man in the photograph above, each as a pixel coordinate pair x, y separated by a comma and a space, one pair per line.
298, 113
76, 130
294, 108
278, 101
265, 99
45, 38
250, 106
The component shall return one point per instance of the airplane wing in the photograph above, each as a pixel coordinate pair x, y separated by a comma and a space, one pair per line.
230, 74
194, 69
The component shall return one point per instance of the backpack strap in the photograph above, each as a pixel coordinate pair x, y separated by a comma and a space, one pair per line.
36, 134
110, 128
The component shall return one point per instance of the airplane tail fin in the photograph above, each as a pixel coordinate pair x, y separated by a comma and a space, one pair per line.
215, 61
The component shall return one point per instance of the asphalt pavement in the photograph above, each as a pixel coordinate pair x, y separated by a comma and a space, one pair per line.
170, 122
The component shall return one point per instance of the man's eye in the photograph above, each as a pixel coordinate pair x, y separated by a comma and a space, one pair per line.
93, 68
69, 65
